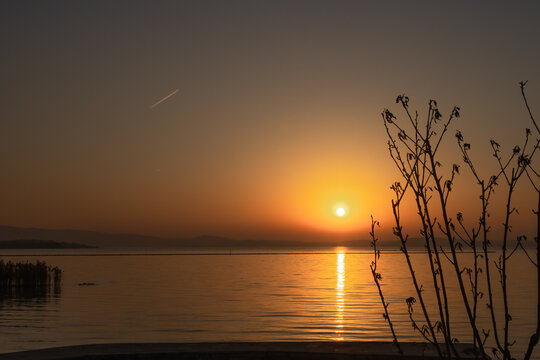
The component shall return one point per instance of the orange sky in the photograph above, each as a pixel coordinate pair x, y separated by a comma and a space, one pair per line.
276, 121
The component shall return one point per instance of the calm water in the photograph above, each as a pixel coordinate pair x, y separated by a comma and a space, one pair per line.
238, 297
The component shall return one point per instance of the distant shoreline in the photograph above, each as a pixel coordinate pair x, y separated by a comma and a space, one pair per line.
41, 244
225, 253
93, 239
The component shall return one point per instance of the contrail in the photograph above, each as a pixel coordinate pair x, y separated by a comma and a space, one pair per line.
165, 98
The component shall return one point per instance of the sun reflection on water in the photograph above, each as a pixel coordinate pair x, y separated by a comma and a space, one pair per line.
340, 294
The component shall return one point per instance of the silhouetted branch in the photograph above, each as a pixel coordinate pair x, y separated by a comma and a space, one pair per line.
378, 278
522, 87
415, 157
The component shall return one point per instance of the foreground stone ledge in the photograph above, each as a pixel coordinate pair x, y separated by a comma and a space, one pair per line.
319, 350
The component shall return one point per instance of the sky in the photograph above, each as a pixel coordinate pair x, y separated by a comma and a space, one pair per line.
274, 116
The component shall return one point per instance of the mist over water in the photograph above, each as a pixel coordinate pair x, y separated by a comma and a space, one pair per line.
310, 296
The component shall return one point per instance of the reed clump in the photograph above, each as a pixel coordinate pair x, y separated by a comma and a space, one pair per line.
28, 275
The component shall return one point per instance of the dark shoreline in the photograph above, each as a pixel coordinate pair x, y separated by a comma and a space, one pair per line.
318, 350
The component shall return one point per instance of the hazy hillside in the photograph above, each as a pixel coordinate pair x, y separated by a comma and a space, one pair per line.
41, 244
107, 240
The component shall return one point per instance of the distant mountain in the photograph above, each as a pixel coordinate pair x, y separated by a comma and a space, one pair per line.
107, 240
40, 244
90, 238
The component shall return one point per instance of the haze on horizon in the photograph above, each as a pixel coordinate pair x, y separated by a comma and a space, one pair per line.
274, 118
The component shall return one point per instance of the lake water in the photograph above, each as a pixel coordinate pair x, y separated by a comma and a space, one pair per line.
318, 295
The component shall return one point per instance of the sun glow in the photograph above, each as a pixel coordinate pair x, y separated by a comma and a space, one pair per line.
313, 200
340, 212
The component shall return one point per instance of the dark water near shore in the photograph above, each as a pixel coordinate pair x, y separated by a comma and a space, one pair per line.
318, 295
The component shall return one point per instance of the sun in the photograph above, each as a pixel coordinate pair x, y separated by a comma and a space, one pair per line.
340, 212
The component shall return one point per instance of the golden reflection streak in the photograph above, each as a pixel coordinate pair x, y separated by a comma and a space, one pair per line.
340, 294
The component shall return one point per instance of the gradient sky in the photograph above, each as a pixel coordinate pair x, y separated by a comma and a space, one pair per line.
277, 117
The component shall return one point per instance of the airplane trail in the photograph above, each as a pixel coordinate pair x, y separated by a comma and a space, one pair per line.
165, 98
